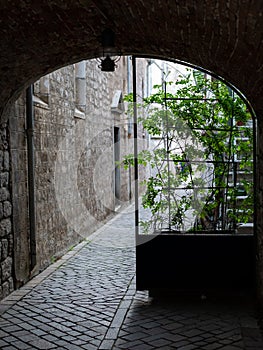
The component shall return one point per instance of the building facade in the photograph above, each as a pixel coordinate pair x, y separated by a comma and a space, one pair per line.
81, 131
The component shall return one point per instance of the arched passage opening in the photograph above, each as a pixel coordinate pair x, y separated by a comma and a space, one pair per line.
83, 116
58, 34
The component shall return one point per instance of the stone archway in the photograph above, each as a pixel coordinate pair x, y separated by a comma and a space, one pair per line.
223, 38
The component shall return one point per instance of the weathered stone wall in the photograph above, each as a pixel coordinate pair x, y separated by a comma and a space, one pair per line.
18, 150
258, 220
6, 232
74, 162
54, 121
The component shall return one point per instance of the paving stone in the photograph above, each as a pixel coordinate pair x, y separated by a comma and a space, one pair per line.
213, 340
10, 339
192, 333
42, 344
135, 336
89, 302
37, 332
3, 343
143, 346
21, 345
150, 325
25, 334
71, 346
212, 346
188, 347
200, 344
231, 347
27, 326
172, 326
68, 338
60, 343
181, 343
3, 334
10, 329
175, 337
57, 333
78, 342
160, 342
50, 338
44, 327
89, 347
123, 343
95, 342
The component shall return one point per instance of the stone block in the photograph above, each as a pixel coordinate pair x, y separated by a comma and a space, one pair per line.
4, 194
4, 249
6, 160
6, 267
13, 122
4, 179
1, 211
5, 289
5, 227
10, 245
7, 209
1, 160
3, 137
11, 284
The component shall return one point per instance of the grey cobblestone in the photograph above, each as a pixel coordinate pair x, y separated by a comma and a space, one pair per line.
89, 302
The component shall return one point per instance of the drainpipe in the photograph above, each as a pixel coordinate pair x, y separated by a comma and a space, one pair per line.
129, 124
135, 134
128, 91
31, 177
128, 75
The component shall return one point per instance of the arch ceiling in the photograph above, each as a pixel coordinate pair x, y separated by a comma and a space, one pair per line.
222, 36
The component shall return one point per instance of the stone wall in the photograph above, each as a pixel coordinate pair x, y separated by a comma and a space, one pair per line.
258, 219
6, 233
18, 150
74, 161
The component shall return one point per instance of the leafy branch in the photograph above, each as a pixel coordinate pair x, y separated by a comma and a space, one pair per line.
201, 142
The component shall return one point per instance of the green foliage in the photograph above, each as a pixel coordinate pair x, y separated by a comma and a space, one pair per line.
144, 158
201, 119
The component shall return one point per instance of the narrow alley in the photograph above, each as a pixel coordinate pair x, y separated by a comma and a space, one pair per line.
87, 300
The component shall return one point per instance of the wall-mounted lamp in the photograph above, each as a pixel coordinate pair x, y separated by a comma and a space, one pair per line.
110, 55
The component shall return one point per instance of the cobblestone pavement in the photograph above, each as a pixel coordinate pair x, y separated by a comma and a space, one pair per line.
87, 300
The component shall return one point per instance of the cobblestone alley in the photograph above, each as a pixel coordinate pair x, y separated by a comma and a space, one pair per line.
87, 300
